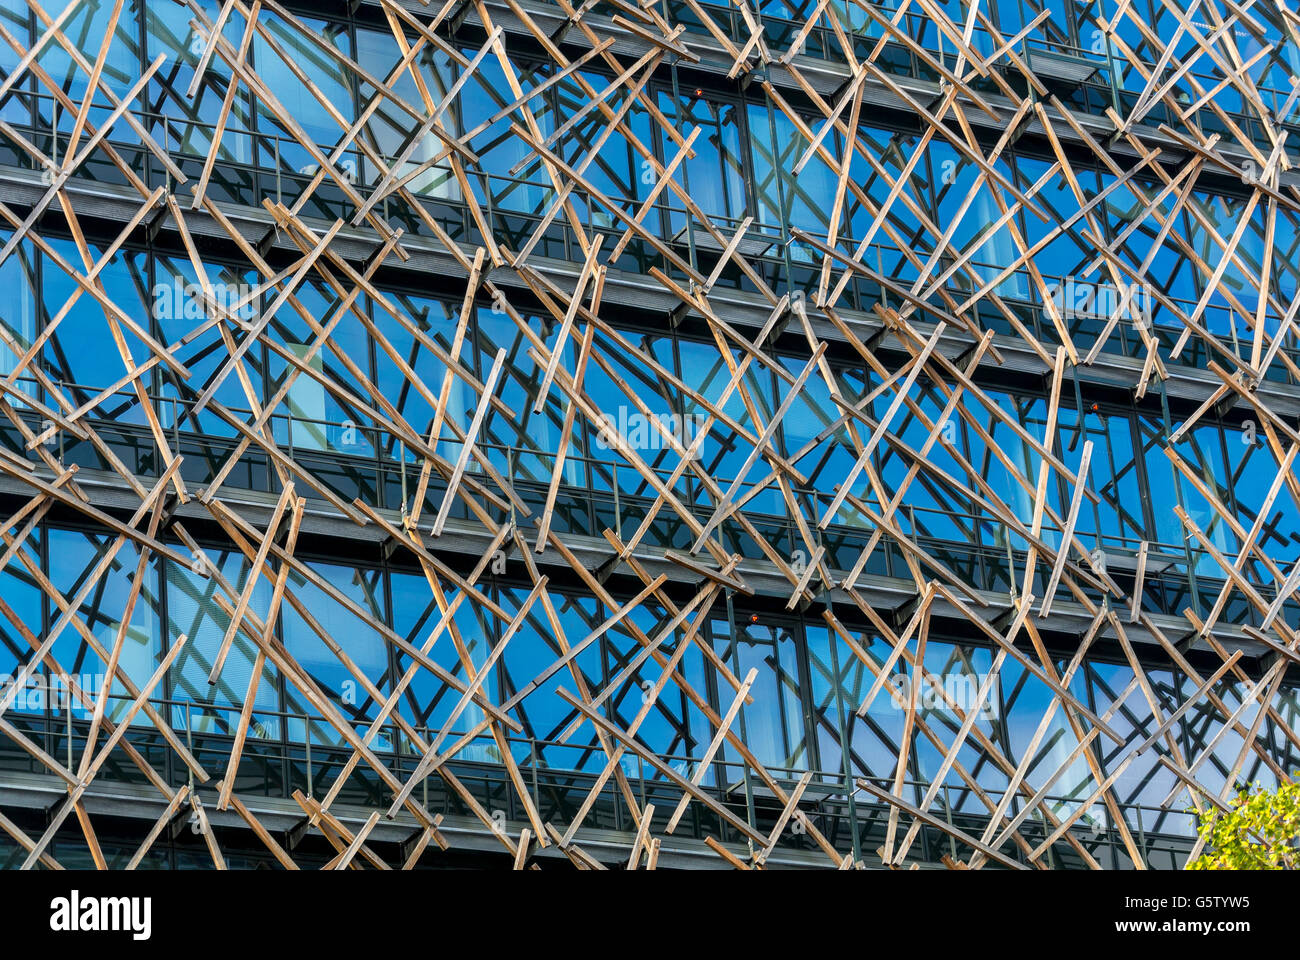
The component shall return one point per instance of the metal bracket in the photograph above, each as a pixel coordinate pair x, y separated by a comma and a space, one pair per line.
457, 19
760, 74
388, 547
263, 246
180, 821
293, 836
154, 224
903, 612
561, 32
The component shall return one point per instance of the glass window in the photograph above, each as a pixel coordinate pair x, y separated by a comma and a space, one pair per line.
17, 308
783, 198
774, 728
536, 436
274, 51
533, 649
178, 309
517, 180
24, 597
427, 701
390, 126
323, 419
84, 32
191, 122
1113, 474
1254, 470
82, 353
1010, 464
1120, 701
891, 243
334, 623
192, 610
1031, 706
616, 169
714, 178
957, 674
874, 739
674, 728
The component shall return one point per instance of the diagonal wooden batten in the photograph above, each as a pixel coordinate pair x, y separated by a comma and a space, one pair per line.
386, 416
867, 449
209, 48
1172, 718
467, 445
269, 408
277, 109
110, 32
138, 127
338, 834
74, 794
703, 600
722, 510
250, 27
169, 811
934, 436
897, 803
262, 834
272, 532
253, 335
94, 289
701, 434
481, 675
711, 750
1030, 754
259, 660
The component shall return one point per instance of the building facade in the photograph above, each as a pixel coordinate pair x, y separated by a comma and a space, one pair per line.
677, 434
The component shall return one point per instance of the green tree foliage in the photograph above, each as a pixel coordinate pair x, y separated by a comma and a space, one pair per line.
1261, 832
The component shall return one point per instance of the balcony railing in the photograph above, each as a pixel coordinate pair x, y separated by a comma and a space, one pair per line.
279, 758
351, 461
257, 165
